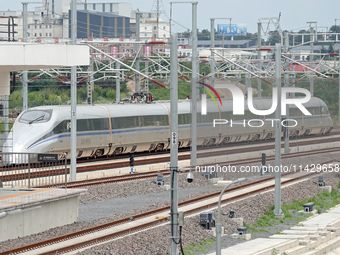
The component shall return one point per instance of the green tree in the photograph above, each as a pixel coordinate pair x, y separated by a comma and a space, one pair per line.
298, 38
334, 29
274, 37
204, 35
330, 48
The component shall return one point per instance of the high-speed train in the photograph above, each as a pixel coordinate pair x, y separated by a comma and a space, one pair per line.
126, 128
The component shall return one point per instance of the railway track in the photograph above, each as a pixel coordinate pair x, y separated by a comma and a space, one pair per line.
40, 173
165, 172
115, 229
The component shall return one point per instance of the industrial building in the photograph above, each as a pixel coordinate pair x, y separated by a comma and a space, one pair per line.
50, 22
99, 25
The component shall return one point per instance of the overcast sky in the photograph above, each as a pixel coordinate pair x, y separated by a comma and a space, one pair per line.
294, 13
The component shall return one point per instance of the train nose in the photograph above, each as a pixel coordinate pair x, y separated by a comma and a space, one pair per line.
19, 147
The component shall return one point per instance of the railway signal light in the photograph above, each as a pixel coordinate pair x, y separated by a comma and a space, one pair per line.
263, 167
263, 159
132, 160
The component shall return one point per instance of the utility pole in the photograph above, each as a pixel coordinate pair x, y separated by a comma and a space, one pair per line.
212, 46
277, 210
286, 84
259, 56
248, 82
90, 83
137, 51
24, 37
24, 73
194, 85
212, 56
73, 171
117, 83
174, 146
311, 57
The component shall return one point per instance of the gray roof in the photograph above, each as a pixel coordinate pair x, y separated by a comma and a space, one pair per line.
104, 14
315, 47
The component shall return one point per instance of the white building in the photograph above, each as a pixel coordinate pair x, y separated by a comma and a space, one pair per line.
50, 20
149, 27
39, 24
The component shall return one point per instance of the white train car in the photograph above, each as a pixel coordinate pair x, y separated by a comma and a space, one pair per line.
125, 128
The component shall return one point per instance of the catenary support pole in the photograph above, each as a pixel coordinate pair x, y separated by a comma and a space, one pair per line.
194, 84
286, 84
212, 56
117, 83
73, 171
90, 83
174, 146
137, 88
259, 64
311, 60
277, 210
248, 82
24, 73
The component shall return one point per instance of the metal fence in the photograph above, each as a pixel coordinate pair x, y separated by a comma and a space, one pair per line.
33, 170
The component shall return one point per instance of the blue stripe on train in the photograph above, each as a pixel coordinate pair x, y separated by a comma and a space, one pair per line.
134, 130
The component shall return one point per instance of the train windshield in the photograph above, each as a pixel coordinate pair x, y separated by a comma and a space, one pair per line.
35, 116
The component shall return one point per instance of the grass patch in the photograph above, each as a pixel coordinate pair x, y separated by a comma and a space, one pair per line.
262, 230
203, 246
323, 201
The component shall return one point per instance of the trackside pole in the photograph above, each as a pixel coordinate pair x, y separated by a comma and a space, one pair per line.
212, 56
277, 210
117, 83
174, 239
73, 170
286, 84
137, 88
194, 80
24, 73
259, 85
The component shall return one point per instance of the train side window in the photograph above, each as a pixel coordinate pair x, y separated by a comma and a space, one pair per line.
82, 125
115, 123
141, 121
225, 115
90, 124
314, 110
324, 110
181, 119
209, 117
100, 124
62, 127
164, 120
201, 118
188, 118
128, 122
294, 112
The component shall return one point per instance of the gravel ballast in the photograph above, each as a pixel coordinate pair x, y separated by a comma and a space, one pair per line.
94, 210
141, 190
156, 241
